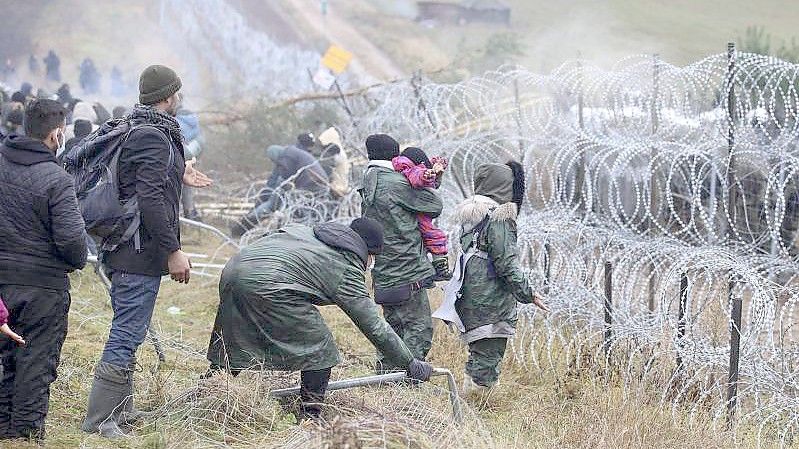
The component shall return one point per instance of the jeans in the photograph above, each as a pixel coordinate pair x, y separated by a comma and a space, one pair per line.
133, 300
40, 316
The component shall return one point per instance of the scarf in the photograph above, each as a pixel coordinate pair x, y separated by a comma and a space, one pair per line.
148, 115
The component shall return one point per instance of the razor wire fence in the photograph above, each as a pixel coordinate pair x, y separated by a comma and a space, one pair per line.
685, 180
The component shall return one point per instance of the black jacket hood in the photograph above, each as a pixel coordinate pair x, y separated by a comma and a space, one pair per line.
341, 236
26, 151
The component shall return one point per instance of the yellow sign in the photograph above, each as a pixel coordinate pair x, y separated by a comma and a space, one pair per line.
336, 59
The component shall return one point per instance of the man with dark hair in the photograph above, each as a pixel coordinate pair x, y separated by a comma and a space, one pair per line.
42, 240
402, 273
305, 141
151, 170
269, 292
11, 117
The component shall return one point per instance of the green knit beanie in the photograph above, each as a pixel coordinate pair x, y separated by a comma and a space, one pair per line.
157, 83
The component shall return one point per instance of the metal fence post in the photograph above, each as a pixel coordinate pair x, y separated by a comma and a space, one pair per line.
681, 318
580, 175
547, 267
608, 308
650, 222
731, 196
735, 354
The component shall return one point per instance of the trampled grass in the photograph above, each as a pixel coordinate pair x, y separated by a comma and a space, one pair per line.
528, 409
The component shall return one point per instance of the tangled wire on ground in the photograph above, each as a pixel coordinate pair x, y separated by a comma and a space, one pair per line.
674, 175
684, 179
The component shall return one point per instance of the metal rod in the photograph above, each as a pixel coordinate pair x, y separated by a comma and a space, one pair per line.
580, 175
518, 117
735, 355
681, 318
210, 228
547, 267
731, 197
384, 379
608, 307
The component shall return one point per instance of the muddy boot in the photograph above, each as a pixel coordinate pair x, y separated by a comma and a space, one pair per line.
441, 264
108, 400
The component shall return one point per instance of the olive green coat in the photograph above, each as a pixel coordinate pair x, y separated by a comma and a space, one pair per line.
267, 317
389, 198
492, 285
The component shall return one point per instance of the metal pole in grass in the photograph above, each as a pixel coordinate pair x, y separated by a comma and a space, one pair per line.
735, 354
608, 307
547, 267
652, 176
681, 318
386, 379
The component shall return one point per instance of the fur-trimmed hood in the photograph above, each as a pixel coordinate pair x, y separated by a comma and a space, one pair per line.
473, 210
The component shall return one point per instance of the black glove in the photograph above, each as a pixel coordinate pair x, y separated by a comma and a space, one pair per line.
419, 370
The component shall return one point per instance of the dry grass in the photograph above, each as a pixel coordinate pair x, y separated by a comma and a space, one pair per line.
528, 409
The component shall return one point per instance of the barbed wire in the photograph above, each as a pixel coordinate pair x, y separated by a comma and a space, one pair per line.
679, 177
666, 172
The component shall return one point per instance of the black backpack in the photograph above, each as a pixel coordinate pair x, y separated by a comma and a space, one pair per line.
94, 165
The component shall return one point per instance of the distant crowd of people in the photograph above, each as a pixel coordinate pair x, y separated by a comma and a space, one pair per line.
84, 117
90, 77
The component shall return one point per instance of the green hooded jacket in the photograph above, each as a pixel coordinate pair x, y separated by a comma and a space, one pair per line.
389, 198
267, 317
493, 281
492, 285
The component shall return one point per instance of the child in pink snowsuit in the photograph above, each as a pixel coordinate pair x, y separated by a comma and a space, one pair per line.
424, 173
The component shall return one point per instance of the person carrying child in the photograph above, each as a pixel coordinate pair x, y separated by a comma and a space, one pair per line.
423, 173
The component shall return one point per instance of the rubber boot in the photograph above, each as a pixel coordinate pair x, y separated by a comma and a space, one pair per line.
313, 385
441, 264
108, 399
130, 415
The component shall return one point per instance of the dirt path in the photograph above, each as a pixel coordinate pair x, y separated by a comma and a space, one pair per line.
369, 64
269, 17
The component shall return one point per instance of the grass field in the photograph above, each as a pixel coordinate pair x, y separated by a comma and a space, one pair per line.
530, 408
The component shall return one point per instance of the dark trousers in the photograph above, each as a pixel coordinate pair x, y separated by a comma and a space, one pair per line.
412, 322
40, 316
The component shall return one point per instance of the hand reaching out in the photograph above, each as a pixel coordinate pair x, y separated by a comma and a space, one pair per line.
540, 303
4, 329
195, 178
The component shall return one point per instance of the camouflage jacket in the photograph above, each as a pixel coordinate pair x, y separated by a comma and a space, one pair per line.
390, 199
493, 282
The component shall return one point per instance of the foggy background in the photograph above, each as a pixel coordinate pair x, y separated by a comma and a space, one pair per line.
240, 50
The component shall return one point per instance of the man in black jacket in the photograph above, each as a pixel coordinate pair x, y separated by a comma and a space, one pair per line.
42, 240
151, 168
